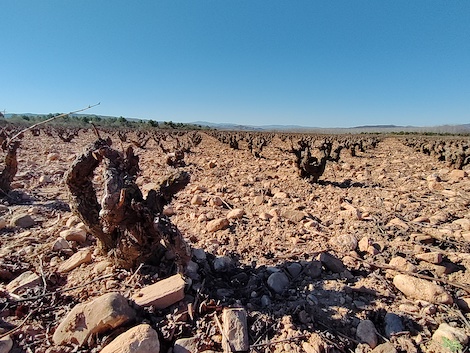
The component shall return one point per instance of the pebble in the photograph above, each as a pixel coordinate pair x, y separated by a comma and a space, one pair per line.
278, 282
197, 200
417, 288
367, 333
294, 269
199, 254
393, 324
139, 339
331, 262
223, 264
385, 348
217, 224
60, 244
344, 242
451, 333
313, 269
258, 200
265, 301
236, 213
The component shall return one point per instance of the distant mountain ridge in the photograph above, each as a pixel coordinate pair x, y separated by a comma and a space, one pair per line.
387, 128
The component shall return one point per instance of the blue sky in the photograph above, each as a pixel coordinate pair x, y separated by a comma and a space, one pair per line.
312, 63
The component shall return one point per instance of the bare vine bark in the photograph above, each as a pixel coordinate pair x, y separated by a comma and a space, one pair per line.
125, 223
10, 166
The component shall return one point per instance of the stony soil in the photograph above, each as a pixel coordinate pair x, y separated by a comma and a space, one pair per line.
335, 243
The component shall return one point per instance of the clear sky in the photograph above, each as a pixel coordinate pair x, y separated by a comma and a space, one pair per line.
314, 63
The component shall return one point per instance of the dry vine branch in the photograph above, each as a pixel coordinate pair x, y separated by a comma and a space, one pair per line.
125, 224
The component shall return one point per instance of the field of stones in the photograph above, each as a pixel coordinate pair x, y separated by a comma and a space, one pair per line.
216, 241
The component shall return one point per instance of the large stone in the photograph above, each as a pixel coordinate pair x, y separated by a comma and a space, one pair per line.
74, 234
139, 339
26, 280
421, 289
235, 330
445, 331
80, 257
22, 221
161, 294
6, 344
105, 313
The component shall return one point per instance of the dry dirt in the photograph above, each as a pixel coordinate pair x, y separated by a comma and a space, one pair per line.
397, 201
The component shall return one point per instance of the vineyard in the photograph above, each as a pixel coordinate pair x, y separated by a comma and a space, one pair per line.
321, 243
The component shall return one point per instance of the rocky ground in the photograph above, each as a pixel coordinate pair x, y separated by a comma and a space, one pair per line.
375, 257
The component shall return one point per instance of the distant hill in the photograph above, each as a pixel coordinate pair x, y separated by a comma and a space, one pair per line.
386, 128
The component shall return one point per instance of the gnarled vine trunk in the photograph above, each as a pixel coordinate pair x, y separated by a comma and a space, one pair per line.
125, 223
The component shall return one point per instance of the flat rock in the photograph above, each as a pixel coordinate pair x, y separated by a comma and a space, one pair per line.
6, 344
161, 294
451, 333
278, 282
217, 224
22, 221
367, 333
235, 330
186, 345
393, 324
458, 174
432, 257
26, 280
102, 314
421, 289
139, 339
385, 348
293, 215
80, 257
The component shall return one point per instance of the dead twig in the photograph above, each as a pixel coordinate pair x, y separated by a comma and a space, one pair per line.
48, 120
63, 290
12, 331
388, 267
